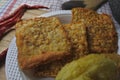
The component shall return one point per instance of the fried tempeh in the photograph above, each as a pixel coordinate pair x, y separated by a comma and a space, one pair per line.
45, 45
39, 41
77, 36
101, 33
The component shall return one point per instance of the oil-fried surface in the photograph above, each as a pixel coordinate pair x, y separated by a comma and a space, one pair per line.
82, 15
51, 69
77, 36
101, 33
45, 45
40, 41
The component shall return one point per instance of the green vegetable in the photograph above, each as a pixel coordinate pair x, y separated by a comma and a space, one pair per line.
91, 67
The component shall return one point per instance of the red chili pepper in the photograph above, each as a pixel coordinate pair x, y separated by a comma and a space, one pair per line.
3, 55
25, 6
9, 21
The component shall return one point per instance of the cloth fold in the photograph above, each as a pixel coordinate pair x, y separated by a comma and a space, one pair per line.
9, 21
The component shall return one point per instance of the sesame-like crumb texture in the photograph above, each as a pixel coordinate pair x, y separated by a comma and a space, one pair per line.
77, 36
45, 45
39, 41
101, 33
51, 69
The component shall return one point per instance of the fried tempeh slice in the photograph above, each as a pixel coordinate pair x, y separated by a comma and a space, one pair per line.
39, 41
77, 36
51, 69
101, 33
102, 38
83, 15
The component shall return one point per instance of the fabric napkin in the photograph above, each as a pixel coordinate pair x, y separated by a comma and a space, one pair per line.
8, 6
9, 21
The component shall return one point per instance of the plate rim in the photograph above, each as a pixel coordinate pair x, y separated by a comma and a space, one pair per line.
8, 52
53, 13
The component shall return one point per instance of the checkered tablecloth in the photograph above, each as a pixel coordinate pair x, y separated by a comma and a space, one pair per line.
8, 6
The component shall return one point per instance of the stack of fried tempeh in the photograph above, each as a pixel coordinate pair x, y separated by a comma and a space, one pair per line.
46, 45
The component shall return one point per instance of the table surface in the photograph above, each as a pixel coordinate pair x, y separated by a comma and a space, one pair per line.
4, 43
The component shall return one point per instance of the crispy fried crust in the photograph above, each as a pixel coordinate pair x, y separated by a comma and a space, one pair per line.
102, 37
77, 36
45, 46
82, 15
40, 41
51, 69
101, 33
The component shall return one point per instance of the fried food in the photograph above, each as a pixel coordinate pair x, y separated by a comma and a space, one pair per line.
101, 33
51, 69
91, 67
45, 46
40, 41
83, 15
77, 36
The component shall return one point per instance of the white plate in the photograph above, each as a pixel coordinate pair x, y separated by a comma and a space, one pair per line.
63, 15
12, 69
